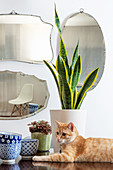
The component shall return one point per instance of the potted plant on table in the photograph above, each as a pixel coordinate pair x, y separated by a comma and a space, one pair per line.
41, 130
66, 79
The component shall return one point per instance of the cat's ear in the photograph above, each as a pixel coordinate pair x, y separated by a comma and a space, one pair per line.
57, 122
71, 126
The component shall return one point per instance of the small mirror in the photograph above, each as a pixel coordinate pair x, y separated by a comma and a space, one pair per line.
84, 28
11, 84
25, 38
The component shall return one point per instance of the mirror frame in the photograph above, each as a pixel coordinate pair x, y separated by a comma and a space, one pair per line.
44, 22
30, 114
63, 27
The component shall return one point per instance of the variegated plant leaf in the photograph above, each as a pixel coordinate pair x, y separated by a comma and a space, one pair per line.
89, 81
76, 72
56, 80
57, 22
62, 50
67, 94
74, 97
74, 58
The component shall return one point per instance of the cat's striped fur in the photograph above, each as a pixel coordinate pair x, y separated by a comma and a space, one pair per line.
75, 148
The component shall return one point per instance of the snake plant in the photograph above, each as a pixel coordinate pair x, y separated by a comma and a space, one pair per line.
67, 76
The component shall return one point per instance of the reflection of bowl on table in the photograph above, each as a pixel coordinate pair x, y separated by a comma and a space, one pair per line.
10, 146
33, 107
29, 147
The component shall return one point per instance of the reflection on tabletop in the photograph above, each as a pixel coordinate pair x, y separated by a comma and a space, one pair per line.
29, 164
74, 166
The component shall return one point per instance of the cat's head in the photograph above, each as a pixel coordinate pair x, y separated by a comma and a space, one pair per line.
65, 133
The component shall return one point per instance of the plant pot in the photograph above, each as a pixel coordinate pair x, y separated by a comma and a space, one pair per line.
78, 117
44, 140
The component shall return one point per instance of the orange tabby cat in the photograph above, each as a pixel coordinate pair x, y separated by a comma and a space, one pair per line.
77, 149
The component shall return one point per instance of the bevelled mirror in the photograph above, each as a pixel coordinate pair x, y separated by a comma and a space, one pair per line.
25, 38
11, 85
83, 28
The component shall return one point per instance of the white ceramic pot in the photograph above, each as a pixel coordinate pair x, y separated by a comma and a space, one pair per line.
78, 117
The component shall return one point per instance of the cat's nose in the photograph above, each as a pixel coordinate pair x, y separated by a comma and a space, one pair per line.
58, 140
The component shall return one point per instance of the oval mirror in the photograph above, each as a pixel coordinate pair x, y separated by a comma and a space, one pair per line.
25, 38
84, 28
32, 100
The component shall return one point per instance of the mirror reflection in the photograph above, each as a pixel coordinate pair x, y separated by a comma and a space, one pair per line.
23, 38
85, 29
16, 84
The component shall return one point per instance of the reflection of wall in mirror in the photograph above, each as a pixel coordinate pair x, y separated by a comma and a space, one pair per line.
24, 41
91, 47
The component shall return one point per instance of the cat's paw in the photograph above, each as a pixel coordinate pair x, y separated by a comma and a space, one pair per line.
35, 158
38, 158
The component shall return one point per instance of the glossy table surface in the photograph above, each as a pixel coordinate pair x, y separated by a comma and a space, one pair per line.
28, 165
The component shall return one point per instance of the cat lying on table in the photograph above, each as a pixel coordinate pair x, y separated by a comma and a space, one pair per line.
75, 148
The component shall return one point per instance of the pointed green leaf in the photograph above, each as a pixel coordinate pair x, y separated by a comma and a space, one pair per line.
81, 102
62, 50
67, 95
52, 71
76, 72
61, 68
56, 80
57, 21
89, 81
75, 98
63, 54
74, 58
61, 85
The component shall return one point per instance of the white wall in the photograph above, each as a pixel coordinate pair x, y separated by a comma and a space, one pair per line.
98, 102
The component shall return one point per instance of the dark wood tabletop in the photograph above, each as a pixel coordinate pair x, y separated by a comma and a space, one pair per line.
30, 165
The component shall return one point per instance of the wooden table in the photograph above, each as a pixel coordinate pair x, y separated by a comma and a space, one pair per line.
30, 165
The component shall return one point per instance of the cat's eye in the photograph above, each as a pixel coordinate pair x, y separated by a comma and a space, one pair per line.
63, 134
57, 133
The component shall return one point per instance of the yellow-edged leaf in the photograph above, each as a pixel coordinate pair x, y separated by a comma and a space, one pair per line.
75, 75
67, 95
56, 80
89, 81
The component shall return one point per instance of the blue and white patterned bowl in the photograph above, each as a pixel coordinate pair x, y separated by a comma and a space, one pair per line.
10, 145
29, 147
33, 107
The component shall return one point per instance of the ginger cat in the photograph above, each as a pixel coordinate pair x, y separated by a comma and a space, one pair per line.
75, 148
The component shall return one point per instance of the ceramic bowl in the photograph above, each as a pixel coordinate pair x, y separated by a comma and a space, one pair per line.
33, 107
10, 146
29, 147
